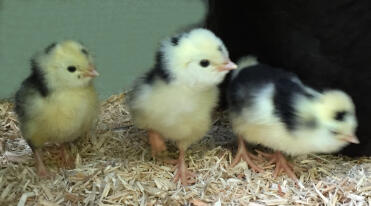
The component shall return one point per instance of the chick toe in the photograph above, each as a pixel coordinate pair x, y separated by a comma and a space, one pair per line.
243, 154
182, 173
282, 165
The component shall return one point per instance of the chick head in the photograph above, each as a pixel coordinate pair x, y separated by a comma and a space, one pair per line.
66, 65
336, 112
197, 57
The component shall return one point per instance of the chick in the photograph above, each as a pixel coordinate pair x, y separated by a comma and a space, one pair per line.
272, 107
57, 103
175, 99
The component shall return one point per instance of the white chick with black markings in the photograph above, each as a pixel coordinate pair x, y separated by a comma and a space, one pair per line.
57, 103
272, 107
175, 99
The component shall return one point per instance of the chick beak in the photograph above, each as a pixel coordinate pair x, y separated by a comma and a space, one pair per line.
91, 72
351, 139
229, 65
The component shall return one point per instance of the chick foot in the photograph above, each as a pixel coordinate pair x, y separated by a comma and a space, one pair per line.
67, 161
156, 142
281, 164
243, 154
182, 173
40, 167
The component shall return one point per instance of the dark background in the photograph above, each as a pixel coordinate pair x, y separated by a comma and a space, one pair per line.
327, 43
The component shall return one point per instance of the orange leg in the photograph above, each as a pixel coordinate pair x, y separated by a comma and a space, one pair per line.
182, 173
156, 142
243, 154
281, 164
40, 167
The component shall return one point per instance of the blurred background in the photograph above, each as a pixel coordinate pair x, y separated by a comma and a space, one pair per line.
122, 35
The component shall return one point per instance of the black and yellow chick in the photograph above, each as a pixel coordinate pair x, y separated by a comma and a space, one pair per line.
272, 107
176, 98
57, 103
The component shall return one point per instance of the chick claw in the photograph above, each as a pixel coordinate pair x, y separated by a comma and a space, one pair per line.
281, 164
243, 154
156, 142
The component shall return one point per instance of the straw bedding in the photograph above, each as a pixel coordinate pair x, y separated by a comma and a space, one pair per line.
114, 167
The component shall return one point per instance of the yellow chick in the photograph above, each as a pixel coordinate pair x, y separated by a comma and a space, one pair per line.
175, 99
57, 103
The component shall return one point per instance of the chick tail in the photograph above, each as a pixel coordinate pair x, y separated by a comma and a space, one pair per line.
247, 61
243, 62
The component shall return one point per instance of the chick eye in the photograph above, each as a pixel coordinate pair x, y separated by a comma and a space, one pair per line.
340, 116
71, 68
204, 63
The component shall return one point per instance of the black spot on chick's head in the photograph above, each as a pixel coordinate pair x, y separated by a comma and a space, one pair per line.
175, 41
220, 48
50, 47
340, 115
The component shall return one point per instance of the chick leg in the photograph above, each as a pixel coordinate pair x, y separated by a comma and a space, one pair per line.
182, 173
156, 142
281, 164
40, 167
243, 154
68, 161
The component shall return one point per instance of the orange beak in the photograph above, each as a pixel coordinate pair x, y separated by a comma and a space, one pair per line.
350, 138
91, 72
229, 65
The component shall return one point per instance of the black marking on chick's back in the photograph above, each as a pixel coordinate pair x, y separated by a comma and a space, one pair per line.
286, 90
250, 81
284, 99
33, 85
37, 79
241, 90
157, 72
50, 47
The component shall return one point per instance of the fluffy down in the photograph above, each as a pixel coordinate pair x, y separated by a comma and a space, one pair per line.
57, 103
176, 98
272, 107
